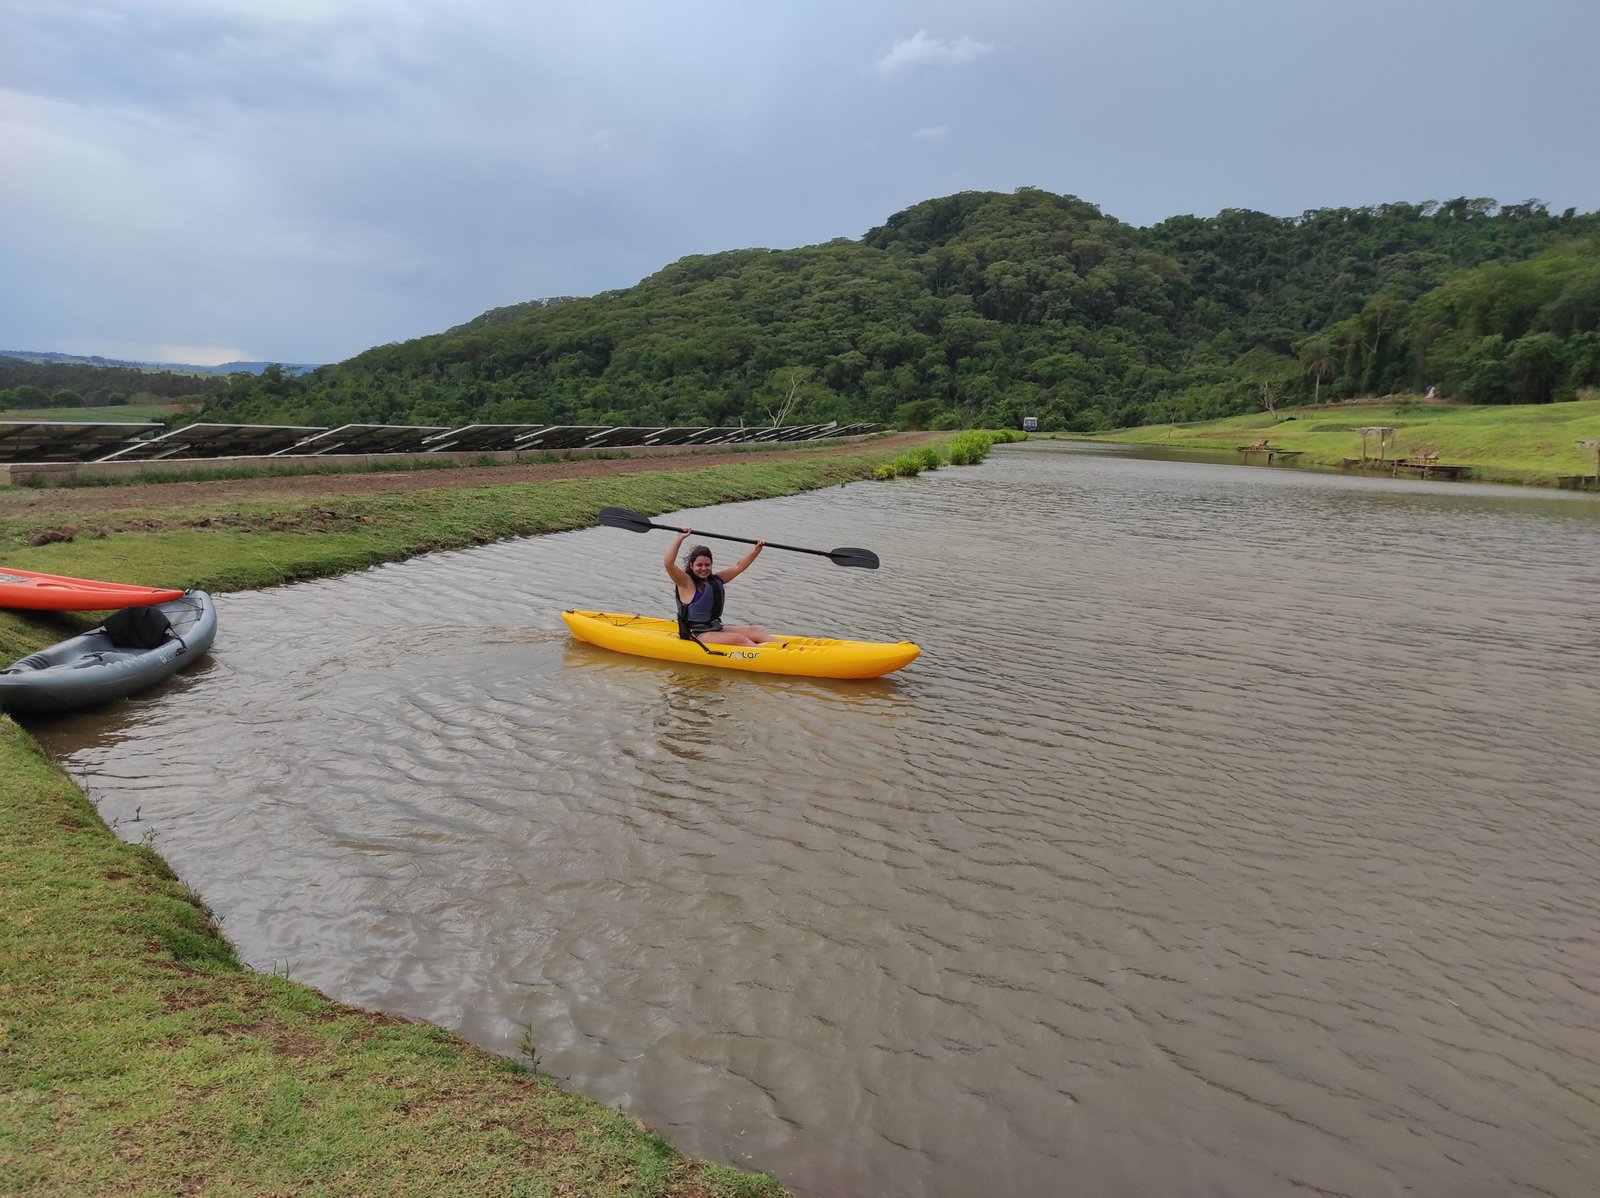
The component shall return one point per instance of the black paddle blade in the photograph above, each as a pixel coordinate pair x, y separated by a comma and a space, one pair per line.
864, 558
621, 517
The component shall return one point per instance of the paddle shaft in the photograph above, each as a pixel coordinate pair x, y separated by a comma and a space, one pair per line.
616, 517
717, 536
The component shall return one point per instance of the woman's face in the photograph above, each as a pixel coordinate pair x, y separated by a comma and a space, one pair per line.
701, 566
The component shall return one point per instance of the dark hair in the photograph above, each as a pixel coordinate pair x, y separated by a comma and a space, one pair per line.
697, 551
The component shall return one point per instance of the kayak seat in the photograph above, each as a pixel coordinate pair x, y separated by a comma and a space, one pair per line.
137, 627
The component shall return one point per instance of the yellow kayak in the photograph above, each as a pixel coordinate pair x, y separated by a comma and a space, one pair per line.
805, 656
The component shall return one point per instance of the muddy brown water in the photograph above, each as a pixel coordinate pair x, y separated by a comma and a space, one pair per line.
1235, 834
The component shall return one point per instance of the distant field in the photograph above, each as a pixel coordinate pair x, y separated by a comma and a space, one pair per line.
131, 413
1528, 443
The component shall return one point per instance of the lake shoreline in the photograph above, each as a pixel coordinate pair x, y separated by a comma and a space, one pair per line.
1529, 445
137, 1052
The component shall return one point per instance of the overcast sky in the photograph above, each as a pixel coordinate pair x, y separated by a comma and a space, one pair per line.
299, 180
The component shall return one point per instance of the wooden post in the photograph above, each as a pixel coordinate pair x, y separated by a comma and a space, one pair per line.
1382, 433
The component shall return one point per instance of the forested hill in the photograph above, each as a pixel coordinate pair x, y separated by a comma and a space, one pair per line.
70, 384
980, 308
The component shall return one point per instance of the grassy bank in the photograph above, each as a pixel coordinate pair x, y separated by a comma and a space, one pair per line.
1529, 444
180, 537
136, 1055
120, 414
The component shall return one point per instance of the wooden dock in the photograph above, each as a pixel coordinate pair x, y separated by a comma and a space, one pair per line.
1270, 452
1451, 471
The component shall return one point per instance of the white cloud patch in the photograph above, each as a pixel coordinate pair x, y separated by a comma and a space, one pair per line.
932, 133
919, 51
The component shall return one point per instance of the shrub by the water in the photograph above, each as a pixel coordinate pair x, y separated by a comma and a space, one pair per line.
909, 465
970, 448
964, 449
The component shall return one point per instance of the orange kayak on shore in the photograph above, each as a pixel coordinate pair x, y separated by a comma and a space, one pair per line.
28, 591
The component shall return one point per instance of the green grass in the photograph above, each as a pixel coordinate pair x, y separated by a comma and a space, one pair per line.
209, 473
120, 413
138, 1057
1529, 444
962, 449
230, 545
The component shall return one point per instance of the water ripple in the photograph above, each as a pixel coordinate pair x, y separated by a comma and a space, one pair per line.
1234, 834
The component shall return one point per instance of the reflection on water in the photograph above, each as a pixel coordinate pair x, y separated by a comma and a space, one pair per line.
1235, 832
106, 724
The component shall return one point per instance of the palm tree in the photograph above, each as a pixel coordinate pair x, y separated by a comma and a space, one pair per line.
1316, 359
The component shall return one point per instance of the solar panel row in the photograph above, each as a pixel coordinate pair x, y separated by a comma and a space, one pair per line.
69, 441
29, 441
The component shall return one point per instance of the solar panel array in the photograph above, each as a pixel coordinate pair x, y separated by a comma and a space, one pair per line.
362, 438
79, 441
213, 441
66, 441
482, 438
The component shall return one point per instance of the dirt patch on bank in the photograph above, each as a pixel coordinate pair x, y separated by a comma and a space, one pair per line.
65, 501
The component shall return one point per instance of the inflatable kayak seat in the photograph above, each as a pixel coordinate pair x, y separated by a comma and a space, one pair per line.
137, 627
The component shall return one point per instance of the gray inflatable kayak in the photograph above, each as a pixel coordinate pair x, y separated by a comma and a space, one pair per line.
135, 648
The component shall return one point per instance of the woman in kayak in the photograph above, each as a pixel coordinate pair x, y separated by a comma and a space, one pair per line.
699, 593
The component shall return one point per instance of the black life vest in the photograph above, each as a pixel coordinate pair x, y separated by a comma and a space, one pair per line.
686, 627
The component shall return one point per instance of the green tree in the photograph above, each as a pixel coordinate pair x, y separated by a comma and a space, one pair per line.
1483, 375
1316, 360
918, 414
1535, 365
1375, 330
991, 304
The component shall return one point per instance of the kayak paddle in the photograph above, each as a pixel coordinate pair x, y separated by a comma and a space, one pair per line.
621, 517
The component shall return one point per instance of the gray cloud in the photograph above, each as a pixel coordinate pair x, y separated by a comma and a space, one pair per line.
302, 179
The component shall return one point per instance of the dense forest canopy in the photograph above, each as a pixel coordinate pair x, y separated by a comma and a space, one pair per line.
25, 384
981, 308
